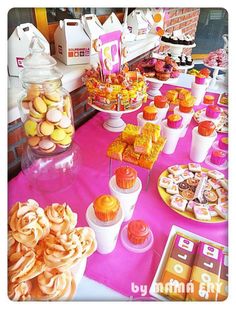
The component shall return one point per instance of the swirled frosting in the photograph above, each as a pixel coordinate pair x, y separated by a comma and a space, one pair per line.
61, 218
54, 285
19, 291
28, 223
23, 264
62, 251
87, 239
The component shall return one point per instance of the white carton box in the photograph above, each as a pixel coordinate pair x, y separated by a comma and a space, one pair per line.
93, 28
175, 229
148, 13
18, 46
112, 24
72, 45
138, 24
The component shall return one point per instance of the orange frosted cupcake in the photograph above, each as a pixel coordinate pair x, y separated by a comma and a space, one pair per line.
138, 231
149, 112
106, 207
160, 101
186, 106
125, 177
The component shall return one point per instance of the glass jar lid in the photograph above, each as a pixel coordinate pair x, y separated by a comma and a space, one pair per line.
38, 65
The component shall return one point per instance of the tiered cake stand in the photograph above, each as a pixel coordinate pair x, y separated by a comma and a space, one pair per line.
177, 49
115, 123
216, 75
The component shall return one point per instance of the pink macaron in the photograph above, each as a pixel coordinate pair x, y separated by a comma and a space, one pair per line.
46, 145
54, 115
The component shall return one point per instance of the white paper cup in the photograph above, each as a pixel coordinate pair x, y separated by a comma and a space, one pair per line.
172, 136
141, 121
200, 145
187, 117
127, 197
106, 232
161, 112
198, 91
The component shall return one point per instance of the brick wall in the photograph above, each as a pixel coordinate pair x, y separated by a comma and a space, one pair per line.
185, 19
182, 18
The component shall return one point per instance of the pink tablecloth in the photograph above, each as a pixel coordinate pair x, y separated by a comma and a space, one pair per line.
119, 269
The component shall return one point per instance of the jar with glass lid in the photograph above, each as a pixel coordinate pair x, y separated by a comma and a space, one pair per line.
45, 106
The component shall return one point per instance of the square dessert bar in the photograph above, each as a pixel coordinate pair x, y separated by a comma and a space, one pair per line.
147, 160
152, 130
172, 95
143, 144
130, 155
130, 133
116, 149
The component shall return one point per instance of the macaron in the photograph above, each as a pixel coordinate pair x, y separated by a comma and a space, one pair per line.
65, 122
46, 128
39, 105
54, 115
70, 130
34, 113
174, 121
47, 101
58, 135
53, 96
206, 128
33, 141
138, 231
65, 142
30, 127
46, 145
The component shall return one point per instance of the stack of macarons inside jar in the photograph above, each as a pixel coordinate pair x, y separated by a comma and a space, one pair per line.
49, 125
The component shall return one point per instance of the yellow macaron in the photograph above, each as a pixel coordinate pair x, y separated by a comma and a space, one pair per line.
30, 127
46, 128
39, 105
58, 135
66, 141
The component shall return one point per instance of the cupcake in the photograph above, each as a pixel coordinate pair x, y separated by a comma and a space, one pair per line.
206, 128
125, 177
218, 157
213, 111
189, 60
186, 106
149, 112
208, 99
160, 101
200, 79
183, 60
138, 231
223, 143
106, 207
174, 121
205, 71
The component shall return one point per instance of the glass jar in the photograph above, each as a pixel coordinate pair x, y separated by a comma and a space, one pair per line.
45, 106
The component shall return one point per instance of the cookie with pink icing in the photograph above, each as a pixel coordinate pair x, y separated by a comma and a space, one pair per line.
178, 202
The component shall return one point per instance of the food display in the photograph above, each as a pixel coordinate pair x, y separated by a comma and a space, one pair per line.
189, 262
204, 71
161, 69
195, 192
46, 108
217, 58
181, 39
221, 120
125, 90
180, 96
41, 254
136, 145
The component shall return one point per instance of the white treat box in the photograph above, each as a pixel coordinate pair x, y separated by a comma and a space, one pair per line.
138, 24
112, 24
174, 229
18, 46
148, 13
93, 28
157, 24
72, 45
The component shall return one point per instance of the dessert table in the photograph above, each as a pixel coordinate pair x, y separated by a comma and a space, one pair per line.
114, 276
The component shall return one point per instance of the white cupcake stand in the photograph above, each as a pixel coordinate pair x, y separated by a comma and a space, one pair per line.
114, 123
155, 84
216, 77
